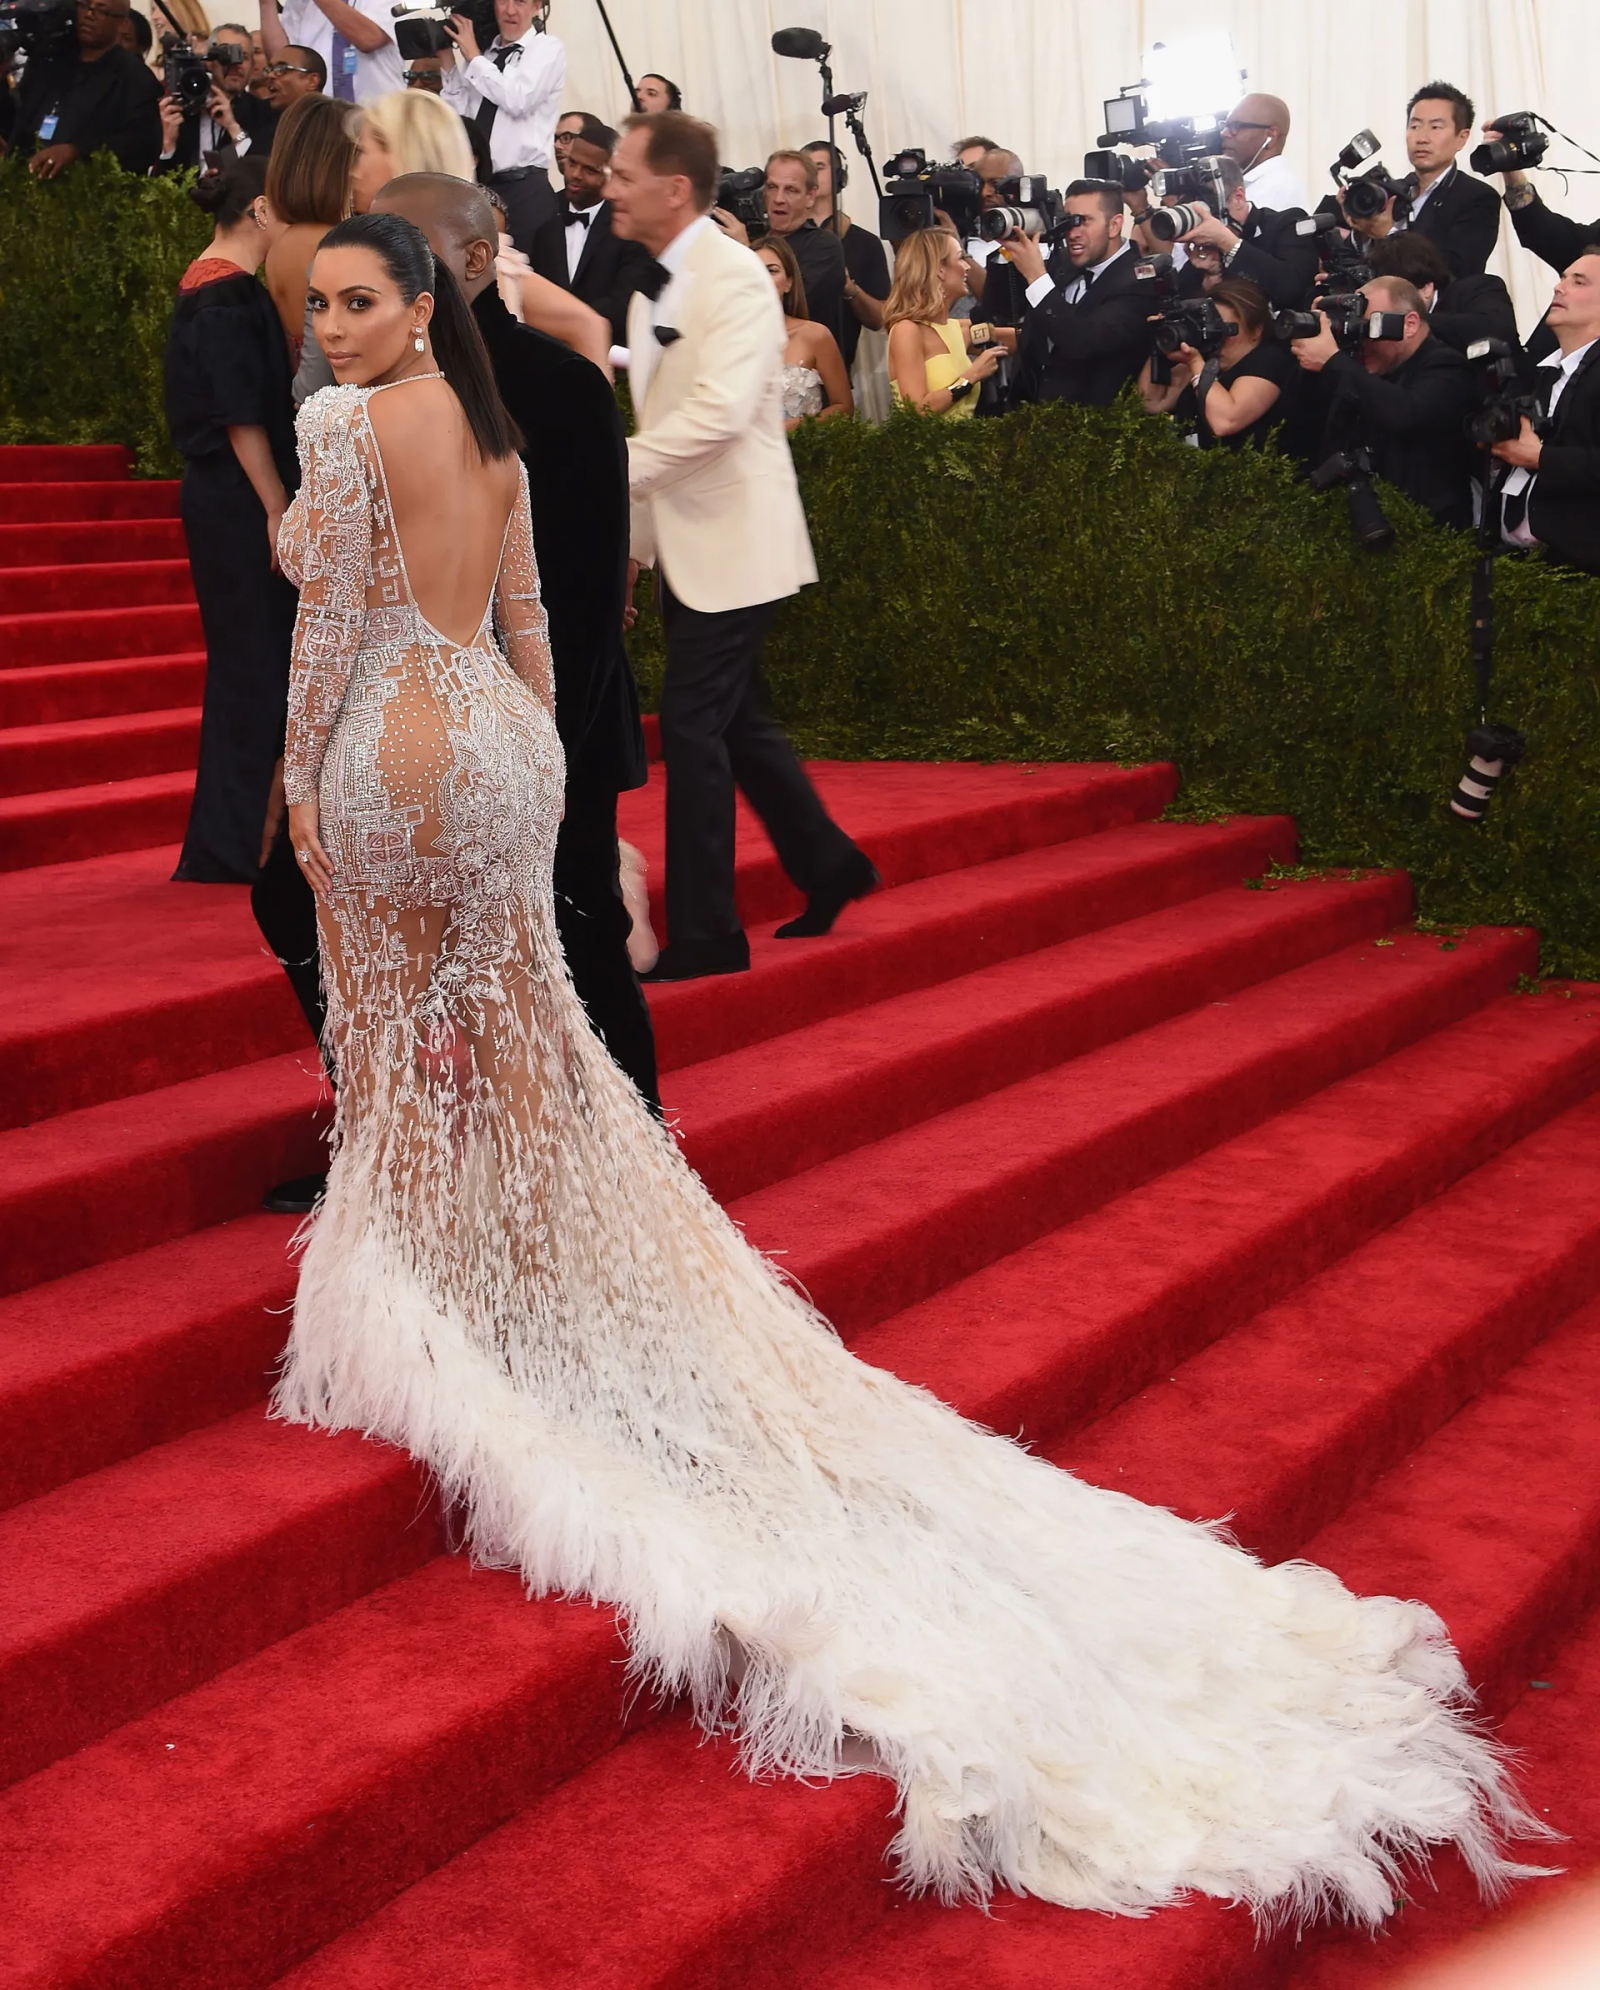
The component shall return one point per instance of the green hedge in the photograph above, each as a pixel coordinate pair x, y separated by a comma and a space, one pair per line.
1067, 583
89, 267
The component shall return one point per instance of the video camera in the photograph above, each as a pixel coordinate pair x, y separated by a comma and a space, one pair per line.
914, 189
1521, 144
1176, 140
1504, 404
1349, 317
40, 29
1367, 189
742, 192
187, 75
420, 30
1028, 205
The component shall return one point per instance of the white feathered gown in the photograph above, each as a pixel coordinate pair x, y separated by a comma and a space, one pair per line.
517, 1277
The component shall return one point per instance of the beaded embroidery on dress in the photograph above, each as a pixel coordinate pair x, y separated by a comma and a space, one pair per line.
517, 1277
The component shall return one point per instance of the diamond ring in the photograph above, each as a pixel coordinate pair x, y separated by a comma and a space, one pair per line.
305, 856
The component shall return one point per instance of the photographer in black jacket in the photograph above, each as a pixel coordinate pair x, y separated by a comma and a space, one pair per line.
1461, 309
1459, 213
99, 99
1552, 237
1405, 400
1256, 244
1087, 330
232, 123
1551, 494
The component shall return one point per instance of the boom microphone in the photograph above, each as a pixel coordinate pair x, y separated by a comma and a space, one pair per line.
842, 106
804, 44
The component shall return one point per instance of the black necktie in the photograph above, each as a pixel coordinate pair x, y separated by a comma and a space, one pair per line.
652, 279
483, 117
1514, 509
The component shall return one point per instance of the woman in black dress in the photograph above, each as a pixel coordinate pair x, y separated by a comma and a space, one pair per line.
1251, 385
231, 419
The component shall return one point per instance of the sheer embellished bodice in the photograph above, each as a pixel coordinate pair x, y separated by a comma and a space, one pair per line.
516, 1276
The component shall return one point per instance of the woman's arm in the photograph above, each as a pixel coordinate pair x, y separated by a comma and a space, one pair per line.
287, 264
1228, 410
519, 613
829, 362
254, 452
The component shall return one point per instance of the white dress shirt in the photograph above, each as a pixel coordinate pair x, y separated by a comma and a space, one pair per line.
578, 232
1273, 183
528, 92
642, 363
308, 27
1521, 480
1041, 286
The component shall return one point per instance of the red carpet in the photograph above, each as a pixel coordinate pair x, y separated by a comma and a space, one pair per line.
1249, 1202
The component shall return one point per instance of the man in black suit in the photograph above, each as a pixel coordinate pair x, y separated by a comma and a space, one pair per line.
1551, 495
1406, 400
1258, 243
578, 493
98, 98
1461, 214
232, 123
1087, 331
577, 247
1461, 309
790, 187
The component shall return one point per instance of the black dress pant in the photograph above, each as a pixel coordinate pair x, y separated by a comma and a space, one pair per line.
530, 202
590, 917
718, 734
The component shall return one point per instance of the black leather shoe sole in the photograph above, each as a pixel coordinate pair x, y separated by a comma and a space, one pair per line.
295, 1198
695, 963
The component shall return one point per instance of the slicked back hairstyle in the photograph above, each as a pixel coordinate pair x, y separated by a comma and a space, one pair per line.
678, 143
1107, 192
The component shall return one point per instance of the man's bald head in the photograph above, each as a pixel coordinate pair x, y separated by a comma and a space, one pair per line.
1255, 129
457, 219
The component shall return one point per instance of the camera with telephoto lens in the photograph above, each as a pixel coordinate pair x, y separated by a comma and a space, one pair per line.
1199, 180
1342, 258
1521, 144
1028, 205
41, 29
1503, 406
1350, 318
1353, 469
186, 74
1192, 321
421, 30
743, 194
1118, 170
913, 189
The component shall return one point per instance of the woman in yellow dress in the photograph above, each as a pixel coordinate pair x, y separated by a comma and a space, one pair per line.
930, 367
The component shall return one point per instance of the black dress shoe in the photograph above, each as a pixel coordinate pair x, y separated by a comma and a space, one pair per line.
692, 962
854, 878
295, 1198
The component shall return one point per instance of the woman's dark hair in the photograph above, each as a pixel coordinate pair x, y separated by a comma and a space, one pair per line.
1247, 301
226, 195
674, 94
458, 346
794, 298
313, 155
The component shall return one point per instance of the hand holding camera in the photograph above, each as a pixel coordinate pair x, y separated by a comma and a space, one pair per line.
1522, 450
460, 30
1313, 350
1024, 254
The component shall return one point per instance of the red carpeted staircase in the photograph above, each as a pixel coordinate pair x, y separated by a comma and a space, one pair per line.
1249, 1201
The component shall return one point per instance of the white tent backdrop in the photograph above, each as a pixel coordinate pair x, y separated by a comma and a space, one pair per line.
1033, 73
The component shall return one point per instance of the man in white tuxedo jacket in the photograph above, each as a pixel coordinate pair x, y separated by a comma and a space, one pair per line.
717, 513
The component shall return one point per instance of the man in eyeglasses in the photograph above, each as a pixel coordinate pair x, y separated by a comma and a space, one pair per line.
425, 72
294, 73
102, 98
1087, 329
1255, 133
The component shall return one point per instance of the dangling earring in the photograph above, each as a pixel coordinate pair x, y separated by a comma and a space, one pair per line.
420, 343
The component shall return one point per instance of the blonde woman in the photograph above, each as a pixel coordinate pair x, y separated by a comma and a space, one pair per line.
930, 368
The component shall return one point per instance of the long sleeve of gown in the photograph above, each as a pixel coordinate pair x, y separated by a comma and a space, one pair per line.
519, 612
326, 548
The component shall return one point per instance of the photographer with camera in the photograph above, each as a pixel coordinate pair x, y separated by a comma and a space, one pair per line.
1229, 387
511, 92
1254, 244
1088, 335
1511, 145
996, 284
354, 38
1399, 396
227, 121
1461, 309
1551, 496
790, 185
1254, 134
82, 92
1459, 213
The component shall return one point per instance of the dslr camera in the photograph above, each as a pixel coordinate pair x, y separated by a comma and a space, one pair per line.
1349, 319
1353, 469
1504, 406
1028, 205
913, 189
1118, 170
420, 30
1200, 179
38, 28
743, 194
1368, 188
1521, 144
1192, 321
1341, 258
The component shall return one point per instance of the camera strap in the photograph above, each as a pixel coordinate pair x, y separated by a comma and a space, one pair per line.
1203, 386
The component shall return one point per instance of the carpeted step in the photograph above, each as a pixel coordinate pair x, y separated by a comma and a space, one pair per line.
54, 543
66, 824
116, 1178
71, 636
78, 588
489, 1920
874, 1230
1044, 1341
916, 820
37, 462
758, 1115
76, 752
138, 1582
79, 502
52, 693
220, 1838
103, 1363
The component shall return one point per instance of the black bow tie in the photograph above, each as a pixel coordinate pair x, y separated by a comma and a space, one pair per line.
581, 215
666, 335
653, 279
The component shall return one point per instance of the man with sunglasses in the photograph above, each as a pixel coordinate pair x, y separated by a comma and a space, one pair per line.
100, 99
1087, 329
425, 72
1255, 133
294, 73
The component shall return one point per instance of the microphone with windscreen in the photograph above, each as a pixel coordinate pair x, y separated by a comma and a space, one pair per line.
804, 44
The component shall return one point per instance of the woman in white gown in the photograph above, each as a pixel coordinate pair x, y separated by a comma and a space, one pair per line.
517, 1277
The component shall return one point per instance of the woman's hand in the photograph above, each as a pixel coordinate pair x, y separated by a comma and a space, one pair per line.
308, 851
274, 520
985, 363
274, 817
